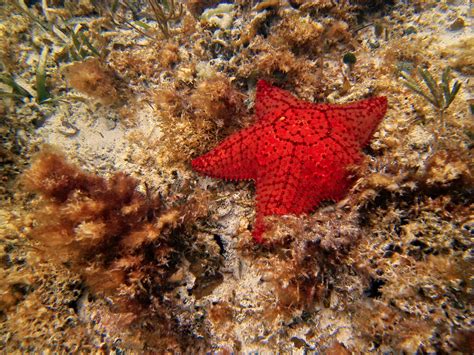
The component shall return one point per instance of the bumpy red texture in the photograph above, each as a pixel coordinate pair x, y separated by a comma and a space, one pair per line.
297, 152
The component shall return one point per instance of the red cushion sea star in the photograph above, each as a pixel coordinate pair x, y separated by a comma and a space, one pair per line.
297, 152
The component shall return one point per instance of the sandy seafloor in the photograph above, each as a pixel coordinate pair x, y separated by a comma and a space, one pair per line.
386, 270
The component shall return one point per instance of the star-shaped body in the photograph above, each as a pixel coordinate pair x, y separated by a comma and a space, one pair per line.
297, 152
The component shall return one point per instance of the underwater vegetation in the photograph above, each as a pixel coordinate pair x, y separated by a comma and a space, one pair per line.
440, 95
165, 12
94, 79
18, 92
125, 245
110, 242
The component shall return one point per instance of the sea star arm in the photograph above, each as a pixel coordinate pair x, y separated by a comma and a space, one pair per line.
272, 102
357, 121
233, 159
300, 180
285, 187
275, 195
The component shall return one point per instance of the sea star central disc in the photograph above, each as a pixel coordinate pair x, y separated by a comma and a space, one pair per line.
297, 152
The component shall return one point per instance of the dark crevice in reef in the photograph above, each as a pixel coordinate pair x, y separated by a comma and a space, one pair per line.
459, 192
373, 291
